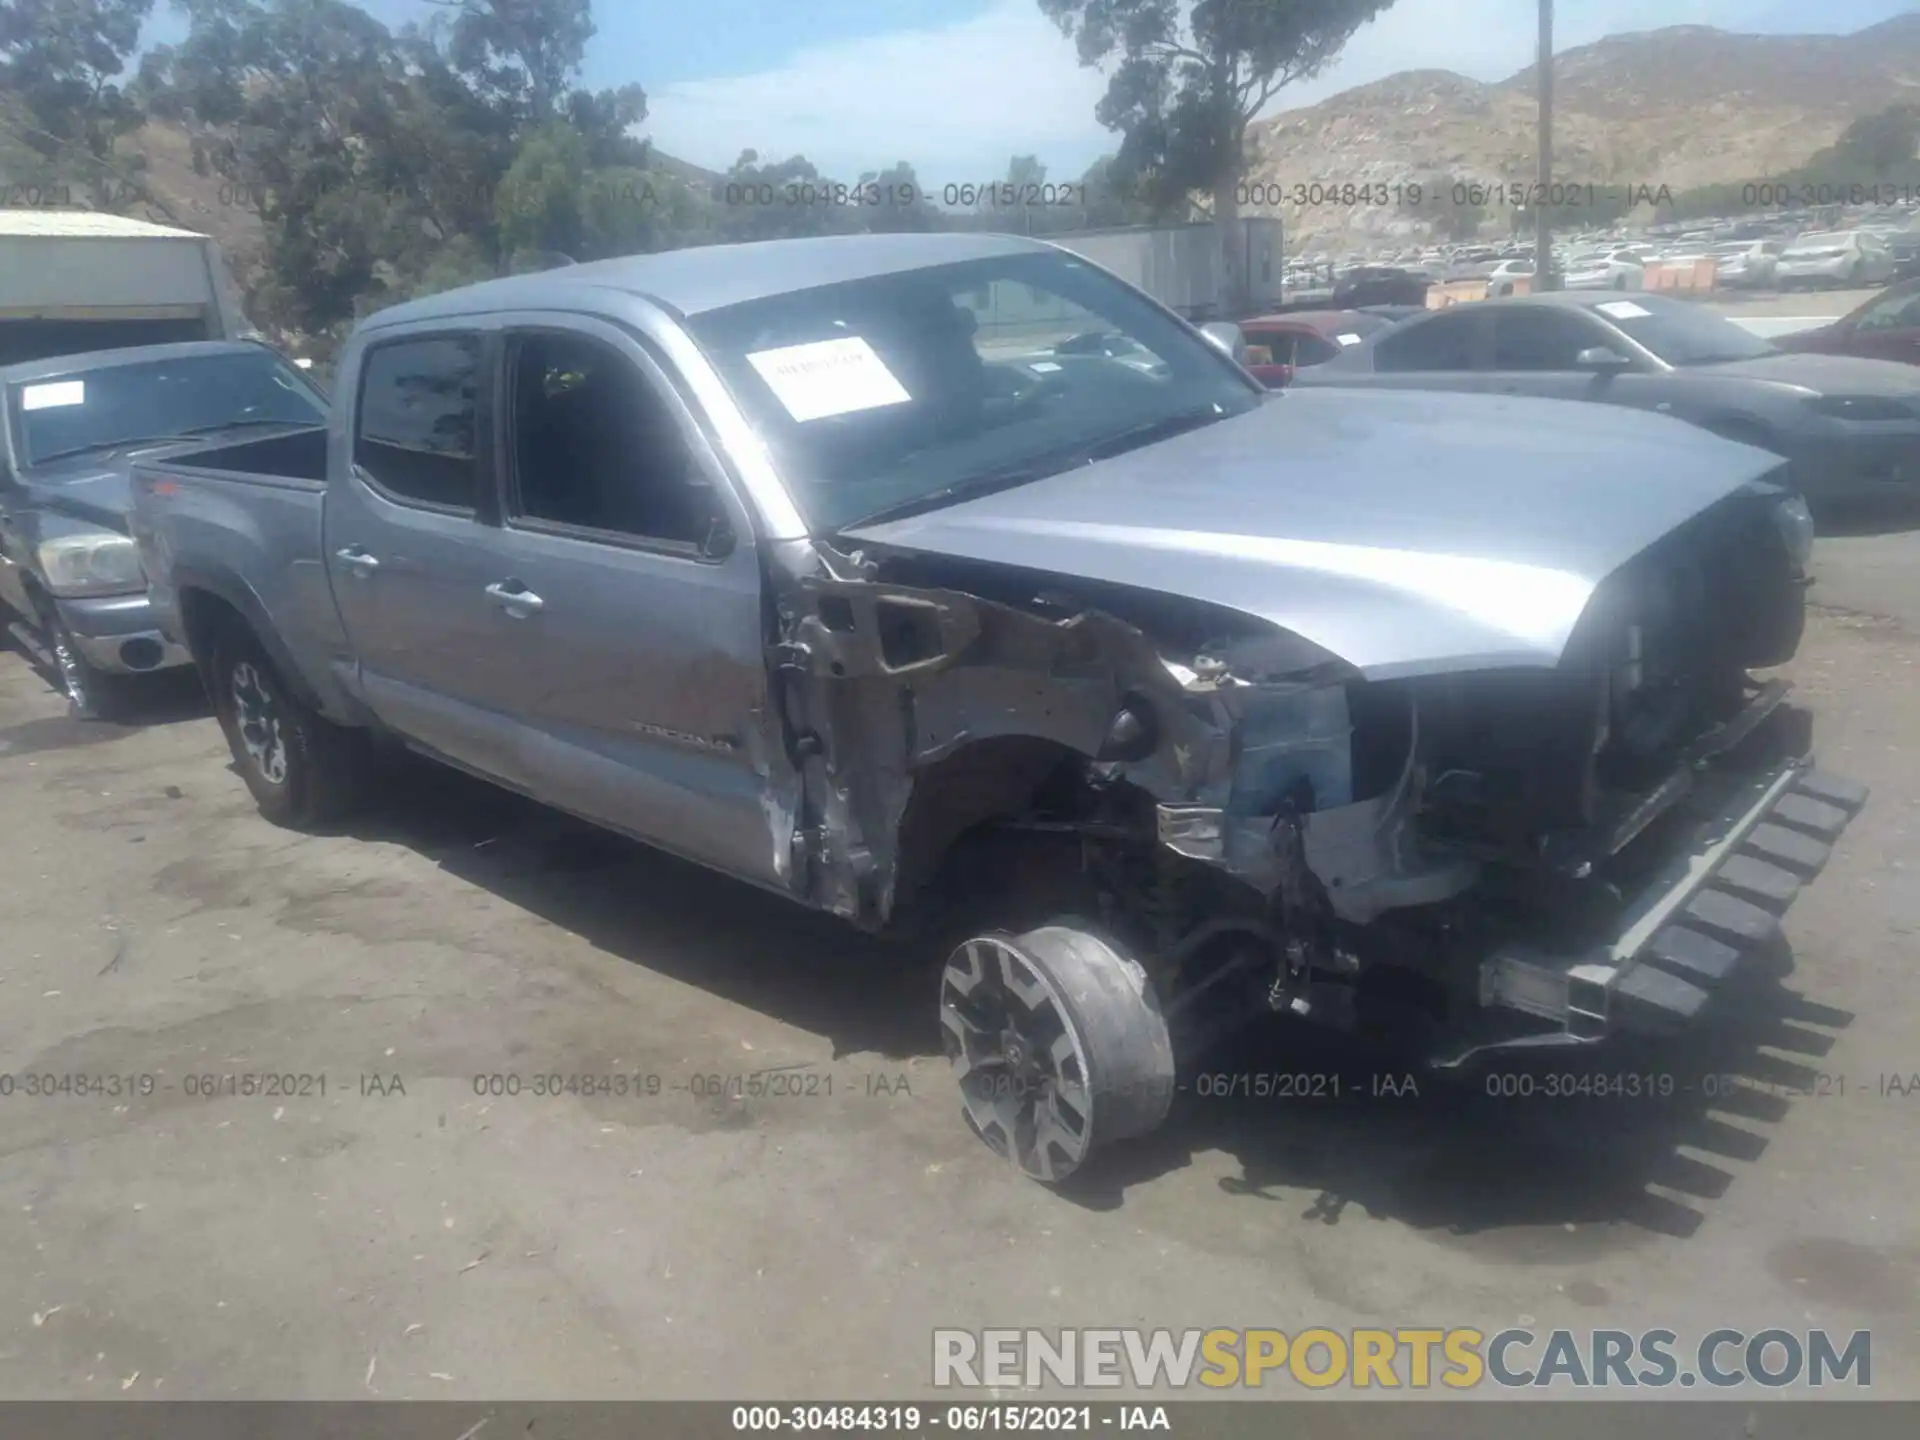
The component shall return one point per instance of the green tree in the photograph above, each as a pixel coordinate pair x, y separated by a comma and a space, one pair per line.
63, 111
758, 201
899, 202
1189, 76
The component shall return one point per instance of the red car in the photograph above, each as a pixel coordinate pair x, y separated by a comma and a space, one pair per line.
1887, 327
1277, 345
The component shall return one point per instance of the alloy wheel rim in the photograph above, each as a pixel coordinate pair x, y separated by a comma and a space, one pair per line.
1019, 1060
257, 718
73, 679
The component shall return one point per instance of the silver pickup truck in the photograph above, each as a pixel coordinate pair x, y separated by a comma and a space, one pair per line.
1155, 700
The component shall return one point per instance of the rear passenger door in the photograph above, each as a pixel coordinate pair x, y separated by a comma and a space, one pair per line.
1446, 352
652, 712
412, 541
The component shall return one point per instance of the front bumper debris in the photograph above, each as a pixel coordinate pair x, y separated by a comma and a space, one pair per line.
1685, 933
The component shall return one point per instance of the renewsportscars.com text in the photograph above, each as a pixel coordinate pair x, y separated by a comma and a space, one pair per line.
1409, 1359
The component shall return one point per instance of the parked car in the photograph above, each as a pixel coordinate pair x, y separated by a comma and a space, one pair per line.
1834, 257
1156, 703
1887, 327
1903, 245
1604, 272
1277, 345
71, 586
1380, 285
1502, 279
1105, 345
1746, 264
1850, 427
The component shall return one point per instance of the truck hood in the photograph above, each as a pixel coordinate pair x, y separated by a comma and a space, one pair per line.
1406, 532
1826, 374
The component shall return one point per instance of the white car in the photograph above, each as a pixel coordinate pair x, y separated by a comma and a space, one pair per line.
1834, 257
1746, 264
1500, 279
1615, 271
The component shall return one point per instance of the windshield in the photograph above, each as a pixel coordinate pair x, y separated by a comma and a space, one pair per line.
1683, 334
154, 399
922, 385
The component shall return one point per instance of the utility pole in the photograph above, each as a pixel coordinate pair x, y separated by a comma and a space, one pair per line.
1543, 275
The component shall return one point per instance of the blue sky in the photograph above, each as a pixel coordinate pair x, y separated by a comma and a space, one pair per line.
958, 86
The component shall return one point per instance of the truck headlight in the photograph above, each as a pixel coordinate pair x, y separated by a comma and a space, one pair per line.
1796, 528
91, 562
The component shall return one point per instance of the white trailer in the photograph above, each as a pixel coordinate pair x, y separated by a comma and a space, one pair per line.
1179, 265
77, 280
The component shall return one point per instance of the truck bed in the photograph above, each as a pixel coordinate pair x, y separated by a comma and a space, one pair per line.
299, 455
245, 521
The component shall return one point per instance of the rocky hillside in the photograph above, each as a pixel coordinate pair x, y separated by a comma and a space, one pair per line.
1679, 107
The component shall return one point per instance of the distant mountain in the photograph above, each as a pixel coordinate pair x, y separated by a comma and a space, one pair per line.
1678, 107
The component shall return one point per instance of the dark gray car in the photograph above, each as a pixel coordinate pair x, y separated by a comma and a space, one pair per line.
1851, 427
71, 428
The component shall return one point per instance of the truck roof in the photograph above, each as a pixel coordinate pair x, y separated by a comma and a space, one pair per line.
30, 370
710, 277
87, 225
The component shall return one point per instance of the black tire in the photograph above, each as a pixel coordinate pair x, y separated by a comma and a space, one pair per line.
304, 771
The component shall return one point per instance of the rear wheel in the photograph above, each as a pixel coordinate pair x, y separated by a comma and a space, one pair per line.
1058, 1044
303, 770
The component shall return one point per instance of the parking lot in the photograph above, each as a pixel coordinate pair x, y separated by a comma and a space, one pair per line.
394, 1222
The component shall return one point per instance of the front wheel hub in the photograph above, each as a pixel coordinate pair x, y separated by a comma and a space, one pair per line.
1057, 1043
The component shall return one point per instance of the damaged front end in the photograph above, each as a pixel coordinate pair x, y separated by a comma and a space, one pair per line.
1528, 856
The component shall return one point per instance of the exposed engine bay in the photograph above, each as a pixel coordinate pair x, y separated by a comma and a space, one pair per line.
1240, 798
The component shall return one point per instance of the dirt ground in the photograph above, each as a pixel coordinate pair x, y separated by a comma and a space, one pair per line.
405, 1234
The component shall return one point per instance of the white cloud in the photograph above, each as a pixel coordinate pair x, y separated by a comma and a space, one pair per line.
958, 100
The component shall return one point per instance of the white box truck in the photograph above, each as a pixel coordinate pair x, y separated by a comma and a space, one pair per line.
1179, 265
77, 280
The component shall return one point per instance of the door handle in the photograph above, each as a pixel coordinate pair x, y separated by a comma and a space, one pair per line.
517, 602
357, 560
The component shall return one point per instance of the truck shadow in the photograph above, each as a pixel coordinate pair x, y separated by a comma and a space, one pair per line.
741, 944
1644, 1135
1654, 1135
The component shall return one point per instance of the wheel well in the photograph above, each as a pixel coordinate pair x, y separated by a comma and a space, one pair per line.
207, 619
954, 797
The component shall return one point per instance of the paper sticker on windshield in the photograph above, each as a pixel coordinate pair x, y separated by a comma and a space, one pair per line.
1045, 367
1348, 339
1623, 310
828, 377
54, 394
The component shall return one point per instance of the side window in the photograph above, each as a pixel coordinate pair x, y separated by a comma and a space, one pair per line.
1442, 343
1540, 340
414, 432
1893, 312
595, 446
1314, 350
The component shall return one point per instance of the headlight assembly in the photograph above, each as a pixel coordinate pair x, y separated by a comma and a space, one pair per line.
91, 562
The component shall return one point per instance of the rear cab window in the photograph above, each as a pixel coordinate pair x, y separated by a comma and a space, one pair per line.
416, 425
